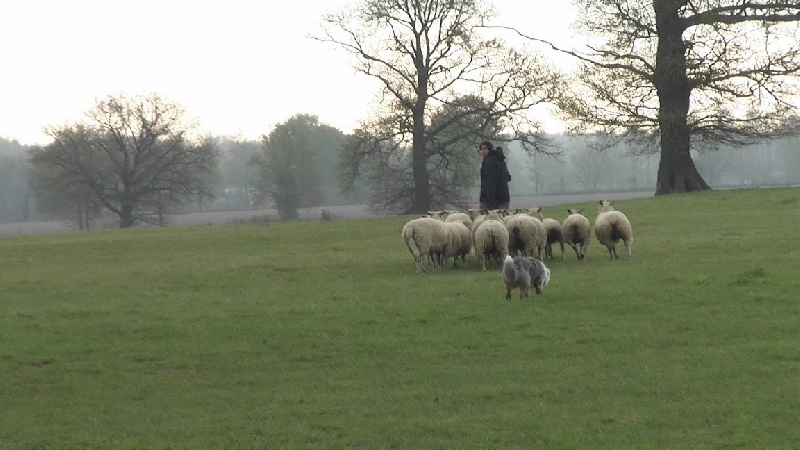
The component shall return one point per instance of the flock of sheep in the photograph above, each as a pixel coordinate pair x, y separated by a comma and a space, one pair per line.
492, 235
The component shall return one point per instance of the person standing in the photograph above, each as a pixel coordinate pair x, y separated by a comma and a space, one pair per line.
494, 178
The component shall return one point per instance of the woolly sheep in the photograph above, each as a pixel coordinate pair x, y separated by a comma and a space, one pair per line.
491, 239
459, 237
576, 231
523, 272
459, 242
611, 226
455, 216
426, 238
439, 215
526, 235
554, 234
542, 231
478, 216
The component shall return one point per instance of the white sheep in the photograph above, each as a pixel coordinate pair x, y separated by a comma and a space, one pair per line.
459, 242
459, 236
491, 239
476, 217
455, 216
554, 234
611, 226
526, 235
439, 215
426, 238
542, 231
577, 231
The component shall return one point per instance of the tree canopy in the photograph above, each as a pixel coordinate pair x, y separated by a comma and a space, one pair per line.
429, 56
136, 156
672, 75
289, 162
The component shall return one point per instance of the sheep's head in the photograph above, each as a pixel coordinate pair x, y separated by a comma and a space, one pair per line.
503, 212
605, 206
495, 214
438, 215
474, 213
536, 213
572, 211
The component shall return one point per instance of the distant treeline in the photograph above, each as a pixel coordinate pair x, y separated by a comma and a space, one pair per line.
577, 169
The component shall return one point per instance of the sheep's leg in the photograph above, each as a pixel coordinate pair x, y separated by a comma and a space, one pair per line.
482, 258
575, 247
420, 263
508, 293
562, 250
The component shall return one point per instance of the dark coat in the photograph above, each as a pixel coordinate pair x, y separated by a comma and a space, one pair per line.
494, 180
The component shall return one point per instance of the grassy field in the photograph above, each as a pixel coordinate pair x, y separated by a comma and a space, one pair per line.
320, 335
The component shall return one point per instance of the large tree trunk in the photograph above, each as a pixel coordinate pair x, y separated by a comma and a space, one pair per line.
676, 171
126, 215
419, 164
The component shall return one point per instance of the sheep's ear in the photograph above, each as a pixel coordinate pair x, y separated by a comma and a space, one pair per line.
539, 209
580, 210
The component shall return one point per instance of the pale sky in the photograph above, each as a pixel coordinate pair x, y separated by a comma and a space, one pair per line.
239, 67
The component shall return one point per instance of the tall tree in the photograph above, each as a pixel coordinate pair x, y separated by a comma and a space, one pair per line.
450, 154
136, 155
426, 54
290, 173
678, 74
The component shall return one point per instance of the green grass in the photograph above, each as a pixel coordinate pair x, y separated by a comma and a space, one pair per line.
320, 335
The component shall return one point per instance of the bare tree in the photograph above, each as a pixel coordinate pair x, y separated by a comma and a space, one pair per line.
135, 155
59, 192
426, 55
669, 75
450, 153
